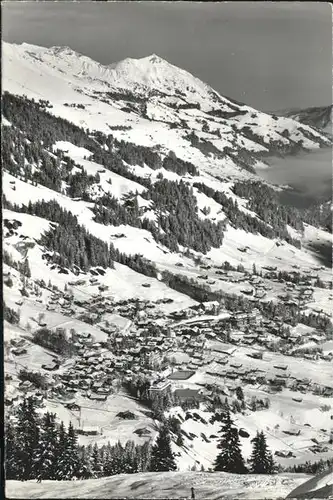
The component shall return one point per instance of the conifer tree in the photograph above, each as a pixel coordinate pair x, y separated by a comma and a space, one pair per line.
261, 459
27, 435
72, 452
96, 463
230, 457
67, 454
84, 471
46, 453
11, 453
162, 457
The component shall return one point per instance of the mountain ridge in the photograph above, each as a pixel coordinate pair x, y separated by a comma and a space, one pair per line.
167, 105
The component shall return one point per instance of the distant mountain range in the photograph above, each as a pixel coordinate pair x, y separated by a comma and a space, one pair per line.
319, 117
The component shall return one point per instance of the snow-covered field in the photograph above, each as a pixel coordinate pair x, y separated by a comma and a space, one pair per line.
171, 485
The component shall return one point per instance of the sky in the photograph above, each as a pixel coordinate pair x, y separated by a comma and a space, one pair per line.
272, 56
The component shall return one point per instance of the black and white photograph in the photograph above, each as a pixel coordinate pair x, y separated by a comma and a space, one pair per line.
167, 250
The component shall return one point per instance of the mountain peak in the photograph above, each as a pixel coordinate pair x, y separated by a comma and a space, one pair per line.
155, 59
61, 49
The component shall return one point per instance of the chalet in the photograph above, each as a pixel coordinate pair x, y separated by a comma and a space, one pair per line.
17, 342
102, 390
98, 397
89, 431
280, 367
327, 391
255, 355
250, 379
142, 432
223, 361
72, 406
236, 365
97, 385
19, 351
26, 385
85, 335
51, 366
293, 432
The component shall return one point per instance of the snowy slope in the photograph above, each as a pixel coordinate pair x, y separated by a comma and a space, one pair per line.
163, 485
320, 486
150, 102
157, 103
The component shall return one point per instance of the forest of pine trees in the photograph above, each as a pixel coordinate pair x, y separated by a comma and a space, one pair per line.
73, 245
178, 222
273, 217
38, 447
265, 202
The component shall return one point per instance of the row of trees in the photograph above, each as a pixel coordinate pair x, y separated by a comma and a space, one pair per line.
37, 447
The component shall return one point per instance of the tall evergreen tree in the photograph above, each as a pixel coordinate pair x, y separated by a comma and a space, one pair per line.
84, 463
68, 462
73, 468
27, 435
261, 459
230, 457
96, 463
11, 453
46, 453
61, 452
162, 457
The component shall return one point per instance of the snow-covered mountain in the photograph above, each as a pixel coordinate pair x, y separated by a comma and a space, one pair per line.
158, 103
132, 203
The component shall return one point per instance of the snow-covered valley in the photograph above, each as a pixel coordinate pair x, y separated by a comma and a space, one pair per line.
137, 231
